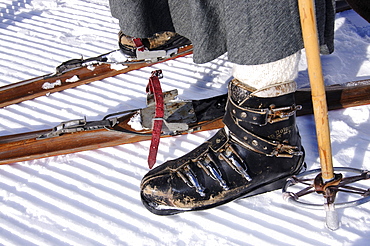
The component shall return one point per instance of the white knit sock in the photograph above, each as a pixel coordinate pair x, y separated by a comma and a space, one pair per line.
270, 79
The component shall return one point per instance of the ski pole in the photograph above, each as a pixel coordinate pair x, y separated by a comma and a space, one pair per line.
311, 44
320, 109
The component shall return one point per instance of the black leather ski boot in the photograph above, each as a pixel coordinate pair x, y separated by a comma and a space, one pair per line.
256, 152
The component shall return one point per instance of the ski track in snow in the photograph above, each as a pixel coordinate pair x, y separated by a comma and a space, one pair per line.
92, 197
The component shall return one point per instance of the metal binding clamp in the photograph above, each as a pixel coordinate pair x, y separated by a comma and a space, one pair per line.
77, 126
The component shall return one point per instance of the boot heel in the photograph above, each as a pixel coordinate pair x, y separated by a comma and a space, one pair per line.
277, 184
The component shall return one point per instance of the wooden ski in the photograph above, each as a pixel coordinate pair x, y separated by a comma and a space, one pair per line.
74, 73
78, 135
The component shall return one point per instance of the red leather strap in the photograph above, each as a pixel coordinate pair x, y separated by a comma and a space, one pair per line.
154, 87
139, 44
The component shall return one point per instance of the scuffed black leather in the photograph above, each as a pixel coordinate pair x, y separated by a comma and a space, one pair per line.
169, 189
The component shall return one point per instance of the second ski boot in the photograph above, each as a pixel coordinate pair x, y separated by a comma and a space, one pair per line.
256, 151
160, 41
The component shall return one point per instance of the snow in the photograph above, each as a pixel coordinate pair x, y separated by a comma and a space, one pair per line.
92, 197
73, 79
48, 85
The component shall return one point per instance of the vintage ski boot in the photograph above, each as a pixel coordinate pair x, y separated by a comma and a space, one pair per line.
256, 152
160, 41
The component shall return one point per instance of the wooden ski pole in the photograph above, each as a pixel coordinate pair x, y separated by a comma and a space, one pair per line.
311, 44
320, 109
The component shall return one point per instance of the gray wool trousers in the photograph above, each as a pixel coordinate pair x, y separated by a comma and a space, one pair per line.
251, 31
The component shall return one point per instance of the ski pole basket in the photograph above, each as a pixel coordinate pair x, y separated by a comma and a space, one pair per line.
336, 188
347, 189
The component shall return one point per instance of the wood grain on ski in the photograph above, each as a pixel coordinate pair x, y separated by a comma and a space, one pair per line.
346, 95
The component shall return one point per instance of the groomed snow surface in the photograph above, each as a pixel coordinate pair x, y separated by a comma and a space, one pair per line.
92, 197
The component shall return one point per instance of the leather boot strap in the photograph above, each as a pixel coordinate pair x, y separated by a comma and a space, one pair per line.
154, 87
260, 117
